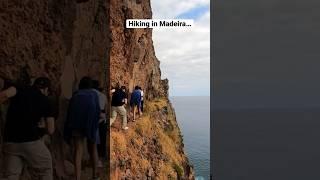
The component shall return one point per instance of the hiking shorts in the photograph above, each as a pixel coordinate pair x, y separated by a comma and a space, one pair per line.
34, 155
135, 103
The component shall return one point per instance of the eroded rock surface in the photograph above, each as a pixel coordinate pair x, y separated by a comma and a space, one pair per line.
61, 39
152, 148
133, 61
67, 39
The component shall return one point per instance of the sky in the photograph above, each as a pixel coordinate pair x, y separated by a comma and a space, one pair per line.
267, 54
184, 55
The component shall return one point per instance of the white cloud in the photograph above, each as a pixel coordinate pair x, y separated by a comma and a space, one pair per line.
172, 8
184, 54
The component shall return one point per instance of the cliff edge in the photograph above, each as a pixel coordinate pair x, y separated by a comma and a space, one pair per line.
153, 147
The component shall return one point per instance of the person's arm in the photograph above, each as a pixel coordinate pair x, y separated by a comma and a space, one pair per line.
105, 109
47, 125
49, 115
8, 93
103, 114
112, 91
50, 125
139, 98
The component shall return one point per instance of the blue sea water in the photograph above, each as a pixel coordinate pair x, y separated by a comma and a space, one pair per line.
193, 116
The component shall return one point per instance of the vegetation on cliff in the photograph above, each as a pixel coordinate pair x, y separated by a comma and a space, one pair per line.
151, 148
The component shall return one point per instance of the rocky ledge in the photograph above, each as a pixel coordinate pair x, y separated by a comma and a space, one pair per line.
152, 148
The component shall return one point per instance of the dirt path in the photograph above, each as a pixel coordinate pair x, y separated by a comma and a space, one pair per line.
87, 174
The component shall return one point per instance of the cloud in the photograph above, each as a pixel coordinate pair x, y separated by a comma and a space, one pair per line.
184, 54
194, 13
172, 8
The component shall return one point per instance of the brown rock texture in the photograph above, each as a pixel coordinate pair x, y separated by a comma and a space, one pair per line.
68, 39
152, 148
132, 56
61, 39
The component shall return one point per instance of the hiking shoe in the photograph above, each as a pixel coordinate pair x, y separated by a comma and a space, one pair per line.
125, 128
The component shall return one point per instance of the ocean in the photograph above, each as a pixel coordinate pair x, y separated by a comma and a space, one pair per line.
278, 144
193, 116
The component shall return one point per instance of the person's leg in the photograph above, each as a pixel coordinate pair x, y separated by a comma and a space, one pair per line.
139, 109
113, 115
134, 107
94, 158
13, 163
142, 106
38, 158
102, 147
130, 112
123, 112
78, 151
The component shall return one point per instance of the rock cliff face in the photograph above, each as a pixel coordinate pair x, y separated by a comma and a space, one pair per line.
133, 59
68, 39
61, 39
152, 148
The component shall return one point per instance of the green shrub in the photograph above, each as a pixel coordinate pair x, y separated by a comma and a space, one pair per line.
178, 169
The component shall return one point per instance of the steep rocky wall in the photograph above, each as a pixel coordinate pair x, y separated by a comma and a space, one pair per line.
132, 56
61, 39
67, 39
152, 148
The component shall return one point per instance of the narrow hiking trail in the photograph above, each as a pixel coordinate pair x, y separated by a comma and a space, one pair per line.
87, 173
151, 148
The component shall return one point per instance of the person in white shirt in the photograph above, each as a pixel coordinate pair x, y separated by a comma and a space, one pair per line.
102, 147
142, 99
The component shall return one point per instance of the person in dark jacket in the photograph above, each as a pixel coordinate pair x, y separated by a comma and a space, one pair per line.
82, 124
118, 103
29, 105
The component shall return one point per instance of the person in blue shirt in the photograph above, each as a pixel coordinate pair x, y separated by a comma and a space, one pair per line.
82, 124
135, 102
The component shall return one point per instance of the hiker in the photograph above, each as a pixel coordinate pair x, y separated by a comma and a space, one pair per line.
82, 124
102, 147
141, 104
22, 135
118, 103
135, 102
